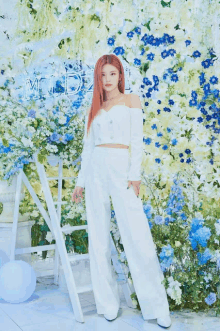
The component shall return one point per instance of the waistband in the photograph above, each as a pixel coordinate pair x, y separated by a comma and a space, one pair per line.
111, 150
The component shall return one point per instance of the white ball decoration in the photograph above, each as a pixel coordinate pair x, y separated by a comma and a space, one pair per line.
17, 281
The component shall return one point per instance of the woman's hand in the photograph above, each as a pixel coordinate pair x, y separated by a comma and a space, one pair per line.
77, 193
136, 186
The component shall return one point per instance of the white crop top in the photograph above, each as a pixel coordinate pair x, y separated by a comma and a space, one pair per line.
119, 125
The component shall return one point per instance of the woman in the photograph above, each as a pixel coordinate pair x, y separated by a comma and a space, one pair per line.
114, 121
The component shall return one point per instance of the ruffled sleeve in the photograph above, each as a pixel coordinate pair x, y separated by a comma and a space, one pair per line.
88, 146
136, 142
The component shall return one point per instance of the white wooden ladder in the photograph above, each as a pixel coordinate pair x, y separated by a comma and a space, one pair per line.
53, 222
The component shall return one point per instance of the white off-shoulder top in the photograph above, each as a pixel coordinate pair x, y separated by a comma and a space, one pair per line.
119, 125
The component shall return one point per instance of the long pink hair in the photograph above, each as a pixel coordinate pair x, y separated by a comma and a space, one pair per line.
99, 94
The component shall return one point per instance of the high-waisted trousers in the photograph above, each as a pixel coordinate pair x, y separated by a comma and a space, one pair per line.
107, 176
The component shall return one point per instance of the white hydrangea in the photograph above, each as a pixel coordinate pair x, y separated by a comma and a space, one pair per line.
49, 236
35, 213
217, 227
27, 142
174, 290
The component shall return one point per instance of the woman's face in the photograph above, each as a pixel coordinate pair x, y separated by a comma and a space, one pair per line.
110, 75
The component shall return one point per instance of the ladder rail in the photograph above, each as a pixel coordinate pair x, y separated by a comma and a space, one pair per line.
16, 213
53, 222
70, 282
59, 202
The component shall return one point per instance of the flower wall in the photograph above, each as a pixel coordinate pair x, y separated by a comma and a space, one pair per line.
172, 51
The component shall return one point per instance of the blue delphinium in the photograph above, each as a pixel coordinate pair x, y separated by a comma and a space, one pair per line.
166, 256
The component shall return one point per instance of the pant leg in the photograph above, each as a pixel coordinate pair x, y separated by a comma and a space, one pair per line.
98, 210
137, 241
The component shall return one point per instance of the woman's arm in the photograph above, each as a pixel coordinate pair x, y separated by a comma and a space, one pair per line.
88, 145
136, 138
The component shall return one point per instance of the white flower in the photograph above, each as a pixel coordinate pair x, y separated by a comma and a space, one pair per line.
27, 142
49, 236
62, 119
174, 290
31, 129
35, 213
217, 228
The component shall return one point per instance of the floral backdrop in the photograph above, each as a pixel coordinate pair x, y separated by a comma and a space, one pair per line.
172, 51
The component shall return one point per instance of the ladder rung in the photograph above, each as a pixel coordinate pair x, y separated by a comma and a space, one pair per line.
69, 228
79, 257
85, 288
34, 249
52, 178
44, 273
60, 202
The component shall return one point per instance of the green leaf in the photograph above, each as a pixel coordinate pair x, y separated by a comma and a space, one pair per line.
5, 142
41, 157
165, 4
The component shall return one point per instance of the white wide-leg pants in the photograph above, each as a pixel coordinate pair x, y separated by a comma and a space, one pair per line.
107, 176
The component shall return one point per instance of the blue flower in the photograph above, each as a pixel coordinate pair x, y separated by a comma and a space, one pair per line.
164, 54
174, 141
206, 63
137, 62
55, 137
119, 50
194, 94
32, 113
210, 299
213, 80
158, 219
166, 256
174, 78
187, 42
196, 54
110, 41
68, 137
196, 224
172, 51
147, 210
137, 30
204, 257
192, 102
150, 224
147, 81
150, 56
201, 236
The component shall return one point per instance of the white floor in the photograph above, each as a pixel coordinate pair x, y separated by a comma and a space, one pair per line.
49, 309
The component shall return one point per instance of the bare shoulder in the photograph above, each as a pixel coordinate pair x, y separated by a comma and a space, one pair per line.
134, 101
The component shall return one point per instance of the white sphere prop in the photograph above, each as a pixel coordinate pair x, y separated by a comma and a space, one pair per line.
17, 281
3, 258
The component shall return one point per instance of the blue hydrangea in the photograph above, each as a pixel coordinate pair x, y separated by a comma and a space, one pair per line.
201, 236
159, 219
204, 257
210, 299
